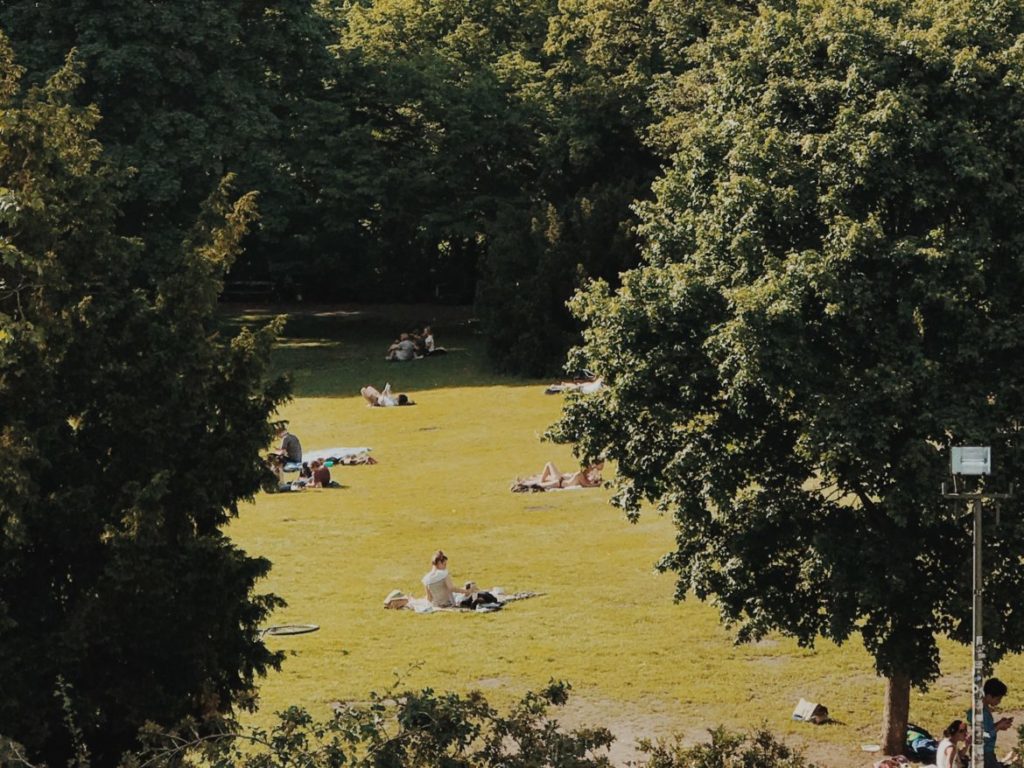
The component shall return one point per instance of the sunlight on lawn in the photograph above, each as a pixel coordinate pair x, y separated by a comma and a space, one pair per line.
638, 663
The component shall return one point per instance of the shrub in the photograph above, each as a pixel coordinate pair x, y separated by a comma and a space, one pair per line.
725, 750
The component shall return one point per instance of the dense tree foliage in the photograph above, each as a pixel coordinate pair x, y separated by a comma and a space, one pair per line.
404, 150
129, 431
598, 58
826, 297
446, 88
190, 92
830, 298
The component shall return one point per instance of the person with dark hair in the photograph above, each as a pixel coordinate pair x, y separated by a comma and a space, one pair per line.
429, 347
955, 737
550, 479
321, 475
993, 692
385, 398
290, 449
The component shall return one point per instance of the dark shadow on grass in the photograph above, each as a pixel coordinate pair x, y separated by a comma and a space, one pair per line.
334, 351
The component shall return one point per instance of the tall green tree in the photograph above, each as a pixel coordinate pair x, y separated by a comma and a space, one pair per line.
574, 220
192, 91
448, 90
830, 299
130, 432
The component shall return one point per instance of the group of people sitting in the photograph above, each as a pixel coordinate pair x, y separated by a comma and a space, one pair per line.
412, 346
288, 457
953, 750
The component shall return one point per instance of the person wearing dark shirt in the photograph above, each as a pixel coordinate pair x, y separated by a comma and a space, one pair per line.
321, 474
993, 692
290, 449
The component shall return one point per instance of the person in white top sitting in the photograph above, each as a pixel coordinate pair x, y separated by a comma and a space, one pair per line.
949, 753
429, 347
438, 583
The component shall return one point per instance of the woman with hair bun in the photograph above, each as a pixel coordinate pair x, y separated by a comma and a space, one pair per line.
438, 583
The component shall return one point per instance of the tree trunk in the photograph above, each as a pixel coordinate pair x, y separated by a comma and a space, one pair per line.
895, 714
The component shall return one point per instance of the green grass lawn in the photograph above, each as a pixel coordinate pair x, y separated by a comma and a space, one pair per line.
639, 663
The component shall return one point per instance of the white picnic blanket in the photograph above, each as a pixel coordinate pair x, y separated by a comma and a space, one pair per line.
326, 453
422, 605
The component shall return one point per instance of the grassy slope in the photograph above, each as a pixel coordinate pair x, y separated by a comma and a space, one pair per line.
638, 662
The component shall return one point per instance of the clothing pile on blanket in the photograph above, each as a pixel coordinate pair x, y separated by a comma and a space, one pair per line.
520, 485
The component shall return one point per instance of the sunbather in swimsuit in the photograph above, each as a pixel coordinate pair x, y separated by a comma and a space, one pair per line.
551, 478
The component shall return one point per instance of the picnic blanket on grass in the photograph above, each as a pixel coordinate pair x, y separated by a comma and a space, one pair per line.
422, 605
525, 486
345, 456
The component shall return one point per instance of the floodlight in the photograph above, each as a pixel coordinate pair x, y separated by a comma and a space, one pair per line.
971, 460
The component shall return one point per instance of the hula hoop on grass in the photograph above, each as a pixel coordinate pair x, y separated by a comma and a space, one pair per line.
290, 629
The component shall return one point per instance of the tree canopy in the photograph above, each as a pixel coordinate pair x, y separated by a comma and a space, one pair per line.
484, 152
829, 300
130, 432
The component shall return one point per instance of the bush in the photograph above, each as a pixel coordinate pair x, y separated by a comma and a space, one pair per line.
726, 750
396, 730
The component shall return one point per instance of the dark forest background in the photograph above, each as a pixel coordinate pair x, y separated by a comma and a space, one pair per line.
477, 151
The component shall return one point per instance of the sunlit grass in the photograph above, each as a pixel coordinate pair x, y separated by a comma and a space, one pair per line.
639, 663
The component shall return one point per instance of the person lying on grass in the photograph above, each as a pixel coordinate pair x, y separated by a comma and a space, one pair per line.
551, 479
583, 387
383, 399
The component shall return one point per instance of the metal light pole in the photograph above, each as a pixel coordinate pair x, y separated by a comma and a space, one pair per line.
975, 461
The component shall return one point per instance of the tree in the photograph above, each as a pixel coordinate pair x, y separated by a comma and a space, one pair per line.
448, 91
574, 220
829, 300
130, 432
191, 92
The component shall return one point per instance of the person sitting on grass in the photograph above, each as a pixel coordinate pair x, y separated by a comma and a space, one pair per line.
384, 399
289, 450
321, 477
948, 753
441, 592
429, 347
402, 350
550, 478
